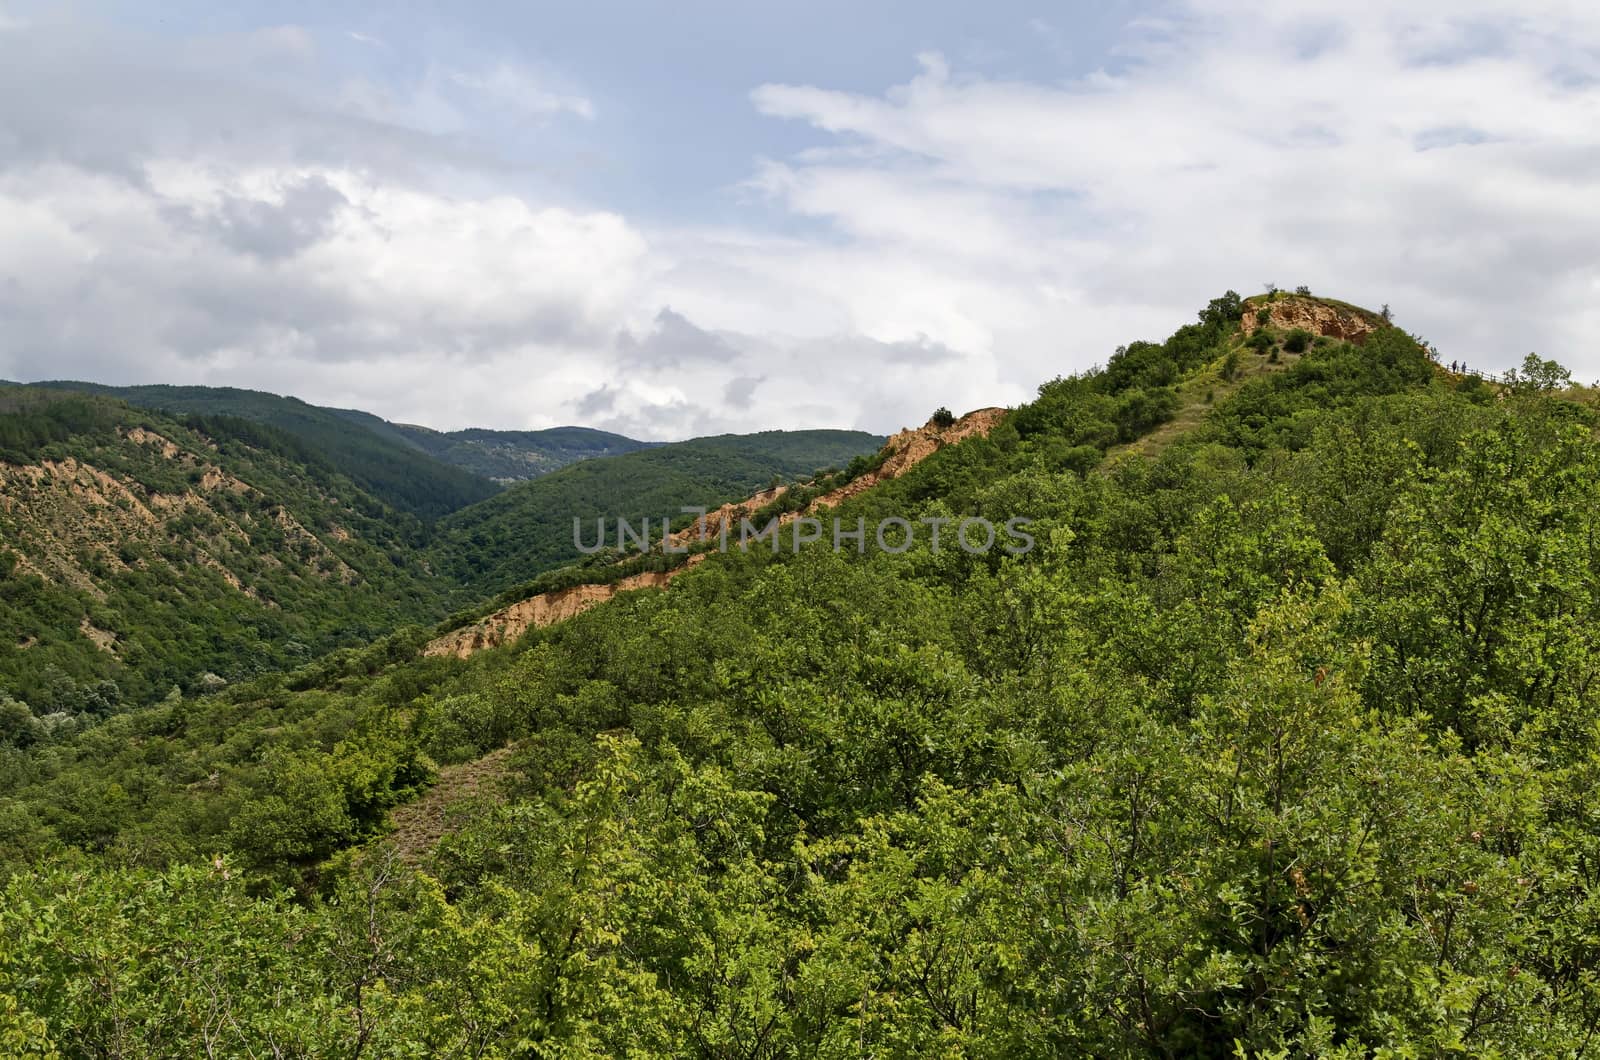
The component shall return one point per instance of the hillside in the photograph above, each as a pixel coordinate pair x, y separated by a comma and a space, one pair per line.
147, 551
570, 591
1280, 741
526, 530
387, 465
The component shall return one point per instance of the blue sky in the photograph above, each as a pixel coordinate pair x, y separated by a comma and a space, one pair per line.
678, 220
673, 132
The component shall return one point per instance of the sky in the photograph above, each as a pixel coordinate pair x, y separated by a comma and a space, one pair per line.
680, 220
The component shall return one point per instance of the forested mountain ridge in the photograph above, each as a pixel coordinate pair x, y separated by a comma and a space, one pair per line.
389, 467
154, 551
515, 456
415, 469
1282, 742
139, 553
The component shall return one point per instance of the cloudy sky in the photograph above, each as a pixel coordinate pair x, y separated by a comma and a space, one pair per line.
673, 220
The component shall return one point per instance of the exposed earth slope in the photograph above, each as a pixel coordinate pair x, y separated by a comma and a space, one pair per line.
386, 465
180, 550
900, 454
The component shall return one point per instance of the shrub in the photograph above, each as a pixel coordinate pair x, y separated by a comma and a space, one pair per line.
1230, 365
1298, 341
1079, 459
943, 417
1263, 317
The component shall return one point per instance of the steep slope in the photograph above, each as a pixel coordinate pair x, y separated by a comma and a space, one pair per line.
528, 529
902, 452
147, 551
387, 466
1243, 358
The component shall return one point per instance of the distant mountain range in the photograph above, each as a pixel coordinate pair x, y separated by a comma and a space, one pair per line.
455, 468
508, 456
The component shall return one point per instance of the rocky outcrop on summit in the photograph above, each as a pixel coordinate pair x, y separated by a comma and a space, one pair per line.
900, 454
911, 447
1315, 315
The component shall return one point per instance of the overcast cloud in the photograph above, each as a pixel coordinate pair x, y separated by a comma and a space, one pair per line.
466, 233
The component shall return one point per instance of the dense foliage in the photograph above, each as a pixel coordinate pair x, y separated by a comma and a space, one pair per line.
1282, 742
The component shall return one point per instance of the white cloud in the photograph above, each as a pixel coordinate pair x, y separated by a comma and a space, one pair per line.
1441, 160
957, 239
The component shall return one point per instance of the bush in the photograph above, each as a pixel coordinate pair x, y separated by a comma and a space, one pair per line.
1230, 365
1263, 317
1298, 341
1079, 459
1260, 341
943, 417
1222, 311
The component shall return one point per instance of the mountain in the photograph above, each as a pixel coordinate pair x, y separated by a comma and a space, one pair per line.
1279, 739
514, 456
148, 550
527, 529
387, 465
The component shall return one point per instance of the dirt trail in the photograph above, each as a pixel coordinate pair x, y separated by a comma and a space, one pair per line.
419, 825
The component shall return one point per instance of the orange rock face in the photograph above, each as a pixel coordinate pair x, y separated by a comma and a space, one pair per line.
509, 623
1319, 318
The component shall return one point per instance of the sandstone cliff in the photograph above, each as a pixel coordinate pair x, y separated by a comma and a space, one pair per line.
1315, 315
